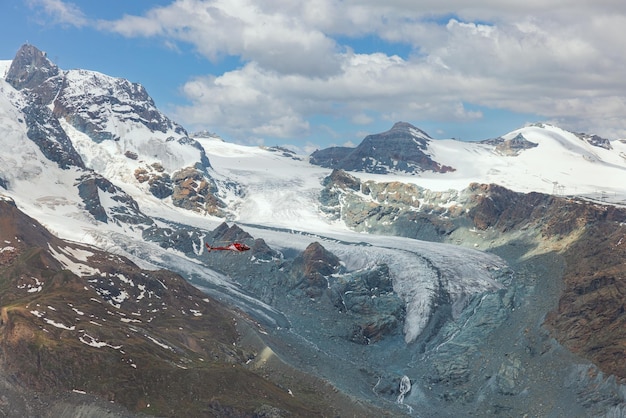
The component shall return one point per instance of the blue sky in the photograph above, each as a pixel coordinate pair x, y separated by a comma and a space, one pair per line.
329, 72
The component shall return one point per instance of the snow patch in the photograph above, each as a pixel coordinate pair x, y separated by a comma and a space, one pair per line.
93, 342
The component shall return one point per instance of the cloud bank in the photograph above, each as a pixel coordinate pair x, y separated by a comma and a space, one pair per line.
301, 60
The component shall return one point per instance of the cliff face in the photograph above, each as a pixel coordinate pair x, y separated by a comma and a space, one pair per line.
31, 69
590, 317
591, 238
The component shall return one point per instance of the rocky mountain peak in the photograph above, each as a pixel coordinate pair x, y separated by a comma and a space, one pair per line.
403, 148
30, 68
407, 127
400, 134
316, 258
310, 269
227, 233
595, 140
58, 104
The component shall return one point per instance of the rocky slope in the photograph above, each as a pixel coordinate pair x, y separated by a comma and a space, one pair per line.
77, 321
588, 236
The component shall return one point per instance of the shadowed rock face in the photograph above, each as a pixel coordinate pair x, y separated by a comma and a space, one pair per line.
589, 318
32, 72
91, 185
30, 69
402, 148
369, 295
310, 270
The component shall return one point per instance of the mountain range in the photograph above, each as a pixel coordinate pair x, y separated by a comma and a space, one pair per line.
406, 276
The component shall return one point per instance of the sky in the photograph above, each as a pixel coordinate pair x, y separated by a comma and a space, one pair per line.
329, 72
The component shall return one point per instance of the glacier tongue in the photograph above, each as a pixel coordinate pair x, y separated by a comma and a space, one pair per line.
427, 275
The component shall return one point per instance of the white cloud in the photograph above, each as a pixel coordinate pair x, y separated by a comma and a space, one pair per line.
243, 104
60, 12
266, 103
268, 36
529, 57
362, 119
561, 60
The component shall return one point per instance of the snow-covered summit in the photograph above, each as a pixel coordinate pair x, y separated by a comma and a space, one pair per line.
89, 120
540, 157
110, 108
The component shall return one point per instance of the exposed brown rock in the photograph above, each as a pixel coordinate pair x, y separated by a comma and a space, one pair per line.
590, 319
193, 191
310, 269
145, 340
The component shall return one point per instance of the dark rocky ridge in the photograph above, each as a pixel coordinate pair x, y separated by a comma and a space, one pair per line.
402, 148
91, 184
32, 72
31, 69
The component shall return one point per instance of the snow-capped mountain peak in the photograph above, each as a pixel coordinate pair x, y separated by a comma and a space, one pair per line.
89, 120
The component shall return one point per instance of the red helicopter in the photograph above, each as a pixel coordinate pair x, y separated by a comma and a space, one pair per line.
235, 246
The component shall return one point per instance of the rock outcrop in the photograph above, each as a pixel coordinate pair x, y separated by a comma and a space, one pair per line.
120, 207
31, 69
192, 190
513, 146
369, 296
394, 208
310, 270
